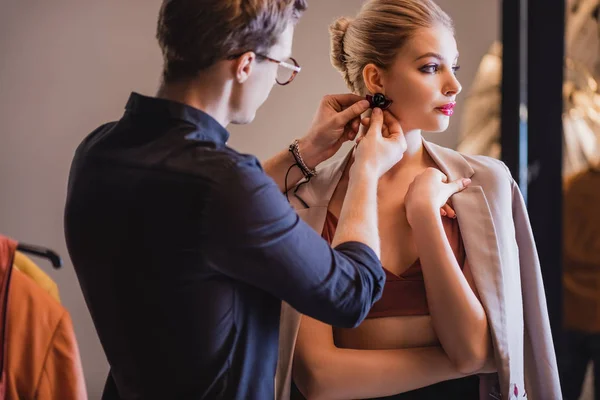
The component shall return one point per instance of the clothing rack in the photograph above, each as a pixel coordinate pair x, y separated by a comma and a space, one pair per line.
43, 252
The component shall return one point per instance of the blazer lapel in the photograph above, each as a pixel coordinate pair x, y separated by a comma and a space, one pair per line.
319, 190
481, 246
317, 193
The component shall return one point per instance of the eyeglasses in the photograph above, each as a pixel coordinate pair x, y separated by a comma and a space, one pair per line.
286, 70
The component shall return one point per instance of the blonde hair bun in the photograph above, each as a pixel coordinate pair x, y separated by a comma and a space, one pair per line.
337, 33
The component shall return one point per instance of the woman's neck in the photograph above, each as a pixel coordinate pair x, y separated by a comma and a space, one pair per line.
414, 149
415, 155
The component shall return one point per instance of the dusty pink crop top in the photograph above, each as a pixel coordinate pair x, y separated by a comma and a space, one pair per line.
404, 295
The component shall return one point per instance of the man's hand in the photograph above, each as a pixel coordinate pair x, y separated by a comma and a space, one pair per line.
337, 120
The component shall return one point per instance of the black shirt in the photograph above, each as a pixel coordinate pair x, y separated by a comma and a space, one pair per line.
184, 249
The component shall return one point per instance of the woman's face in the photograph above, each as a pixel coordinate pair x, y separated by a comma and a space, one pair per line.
422, 81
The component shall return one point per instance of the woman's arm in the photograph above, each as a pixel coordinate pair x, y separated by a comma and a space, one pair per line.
457, 314
323, 371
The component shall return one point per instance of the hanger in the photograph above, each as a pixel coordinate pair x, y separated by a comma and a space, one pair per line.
43, 252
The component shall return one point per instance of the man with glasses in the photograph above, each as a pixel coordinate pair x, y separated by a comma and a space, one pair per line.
185, 248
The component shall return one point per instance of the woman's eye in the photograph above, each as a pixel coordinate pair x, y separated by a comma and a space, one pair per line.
455, 69
430, 69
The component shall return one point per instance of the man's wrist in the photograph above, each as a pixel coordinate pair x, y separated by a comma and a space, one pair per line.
311, 154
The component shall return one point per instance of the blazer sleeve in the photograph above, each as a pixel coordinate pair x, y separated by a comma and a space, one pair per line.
62, 376
541, 372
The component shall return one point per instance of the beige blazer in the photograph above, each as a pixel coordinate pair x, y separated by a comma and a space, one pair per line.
503, 258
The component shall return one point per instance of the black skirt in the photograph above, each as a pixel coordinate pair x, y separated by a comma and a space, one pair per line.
456, 389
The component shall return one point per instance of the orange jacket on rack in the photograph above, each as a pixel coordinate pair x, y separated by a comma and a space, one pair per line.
38, 351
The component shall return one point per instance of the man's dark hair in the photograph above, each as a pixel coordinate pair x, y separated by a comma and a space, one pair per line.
195, 34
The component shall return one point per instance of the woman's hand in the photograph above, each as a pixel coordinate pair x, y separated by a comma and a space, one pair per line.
430, 192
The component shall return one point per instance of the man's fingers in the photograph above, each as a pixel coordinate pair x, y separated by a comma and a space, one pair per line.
353, 129
388, 119
354, 111
376, 120
354, 125
344, 100
385, 131
398, 138
392, 124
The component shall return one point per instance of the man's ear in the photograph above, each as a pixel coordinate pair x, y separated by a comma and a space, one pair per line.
243, 66
372, 76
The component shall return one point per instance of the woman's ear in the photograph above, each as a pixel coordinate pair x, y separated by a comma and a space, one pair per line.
373, 78
243, 66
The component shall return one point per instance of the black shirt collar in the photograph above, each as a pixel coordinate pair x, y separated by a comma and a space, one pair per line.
207, 127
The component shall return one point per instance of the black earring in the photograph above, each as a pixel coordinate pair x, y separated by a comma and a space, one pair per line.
379, 100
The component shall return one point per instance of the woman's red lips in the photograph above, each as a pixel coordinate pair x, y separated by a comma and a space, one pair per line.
447, 109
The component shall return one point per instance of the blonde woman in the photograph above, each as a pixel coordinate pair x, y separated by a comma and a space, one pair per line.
463, 314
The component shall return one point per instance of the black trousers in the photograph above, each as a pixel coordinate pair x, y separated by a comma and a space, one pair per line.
457, 389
